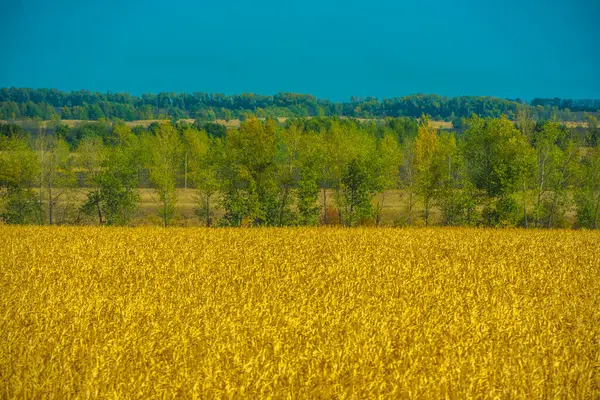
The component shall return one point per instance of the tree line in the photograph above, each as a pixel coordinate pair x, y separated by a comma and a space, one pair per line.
49, 104
314, 171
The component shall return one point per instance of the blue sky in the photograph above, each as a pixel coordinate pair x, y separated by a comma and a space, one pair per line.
331, 49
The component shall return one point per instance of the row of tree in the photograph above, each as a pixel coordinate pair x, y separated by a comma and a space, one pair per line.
496, 173
47, 104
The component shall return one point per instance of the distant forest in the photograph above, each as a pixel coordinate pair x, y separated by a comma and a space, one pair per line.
52, 104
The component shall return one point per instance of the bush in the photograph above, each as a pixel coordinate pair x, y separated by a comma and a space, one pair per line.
22, 206
503, 214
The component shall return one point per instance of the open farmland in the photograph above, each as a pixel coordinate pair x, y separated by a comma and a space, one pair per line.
299, 313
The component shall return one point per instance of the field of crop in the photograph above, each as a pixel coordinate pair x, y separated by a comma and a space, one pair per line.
298, 313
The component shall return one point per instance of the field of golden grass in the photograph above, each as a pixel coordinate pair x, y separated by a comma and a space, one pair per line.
299, 313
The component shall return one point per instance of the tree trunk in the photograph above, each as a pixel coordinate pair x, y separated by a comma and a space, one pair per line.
541, 181
185, 173
426, 204
551, 213
595, 224
42, 174
324, 206
489, 207
351, 212
562, 184
50, 203
283, 203
41, 190
165, 210
340, 211
99, 209
208, 221
525, 207
410, 206
380, 210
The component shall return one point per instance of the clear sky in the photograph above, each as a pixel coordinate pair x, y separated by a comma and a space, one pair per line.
331, 49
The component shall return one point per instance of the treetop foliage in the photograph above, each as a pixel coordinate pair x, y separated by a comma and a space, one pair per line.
306, 171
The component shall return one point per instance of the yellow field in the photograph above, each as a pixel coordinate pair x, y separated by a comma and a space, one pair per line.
299, 313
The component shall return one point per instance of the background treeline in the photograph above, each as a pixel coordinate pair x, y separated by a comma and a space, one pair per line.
49, 104
323, 170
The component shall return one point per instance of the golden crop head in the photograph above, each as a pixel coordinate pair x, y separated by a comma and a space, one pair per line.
298, 313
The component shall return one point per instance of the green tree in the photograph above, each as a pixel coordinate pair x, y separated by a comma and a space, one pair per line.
428, 165
339, 154
593, 130
114, 196
92, 155
387, 163
526, 124
165, 150
57, 178
493, 151
555, 158
587, 195
548, 157
248, 171
345, 143
560, 182
455, 196
408, 177
287, 166
19, 170
202, 156
358, 188
310, 161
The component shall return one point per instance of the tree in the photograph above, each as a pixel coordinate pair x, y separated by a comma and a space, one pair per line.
427, 164
493, 151
387, 163
287, 166
92, 154
325, 169
587, 195
558, 202
338, 156
545, 140
593, 130
310, 160
202, 159
555, 158
248, 172
56, 178
526, 124
345, 142
114, 197
408, 176
165, 164
455, 197
18, 171
358, 189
